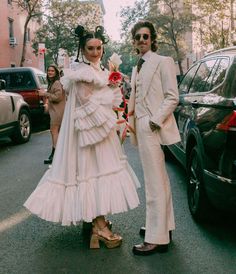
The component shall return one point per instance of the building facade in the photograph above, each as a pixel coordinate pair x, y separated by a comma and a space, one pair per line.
211, 30
215, 30
12, 20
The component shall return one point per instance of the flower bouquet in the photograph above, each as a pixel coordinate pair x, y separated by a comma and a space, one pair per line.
115, 76
115, 80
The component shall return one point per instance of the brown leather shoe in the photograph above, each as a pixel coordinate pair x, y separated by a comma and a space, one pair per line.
142, 232
148, 249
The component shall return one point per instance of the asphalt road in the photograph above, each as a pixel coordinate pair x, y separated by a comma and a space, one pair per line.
29, 245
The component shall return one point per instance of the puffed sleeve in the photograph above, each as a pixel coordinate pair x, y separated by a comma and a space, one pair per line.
94, 118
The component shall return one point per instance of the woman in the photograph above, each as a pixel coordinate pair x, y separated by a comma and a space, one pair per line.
90, 176
55, 106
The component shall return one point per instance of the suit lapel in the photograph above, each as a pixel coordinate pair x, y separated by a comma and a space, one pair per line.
133, 78
133, 90
149, 68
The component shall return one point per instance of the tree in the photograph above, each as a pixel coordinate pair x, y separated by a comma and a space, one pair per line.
123, 49
172, 22
32, 8
215, 23
57, 29
131, 15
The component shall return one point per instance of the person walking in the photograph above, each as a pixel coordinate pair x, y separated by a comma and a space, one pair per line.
153, 99
90, 176
55, 104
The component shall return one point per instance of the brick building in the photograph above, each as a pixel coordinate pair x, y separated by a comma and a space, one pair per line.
12, 20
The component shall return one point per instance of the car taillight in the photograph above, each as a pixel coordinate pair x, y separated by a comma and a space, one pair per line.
229, 123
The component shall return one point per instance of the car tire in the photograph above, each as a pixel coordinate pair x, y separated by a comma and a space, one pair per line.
199, 205
23, 130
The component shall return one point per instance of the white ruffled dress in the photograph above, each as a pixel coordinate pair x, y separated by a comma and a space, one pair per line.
90, 175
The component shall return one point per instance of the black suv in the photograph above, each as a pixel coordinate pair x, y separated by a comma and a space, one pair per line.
206, 117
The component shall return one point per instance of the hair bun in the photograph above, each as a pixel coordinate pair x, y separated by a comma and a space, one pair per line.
99, 29
79, 31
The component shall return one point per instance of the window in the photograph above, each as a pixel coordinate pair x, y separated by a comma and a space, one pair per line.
18, 80
11, 30
201, 80
42, 80
220, 73
186, 82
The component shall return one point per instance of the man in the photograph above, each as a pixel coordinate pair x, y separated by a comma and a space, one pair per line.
153, 99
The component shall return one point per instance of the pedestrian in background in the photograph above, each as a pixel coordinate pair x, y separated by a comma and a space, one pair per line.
55, 104
90, 176
153, 99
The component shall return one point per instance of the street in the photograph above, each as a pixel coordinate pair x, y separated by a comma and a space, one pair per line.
29, 245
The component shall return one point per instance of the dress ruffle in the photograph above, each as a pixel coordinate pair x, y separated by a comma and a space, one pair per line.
94, 123
70, 203
85, 74
94, 120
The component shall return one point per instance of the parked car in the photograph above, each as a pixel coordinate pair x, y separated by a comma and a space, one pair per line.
206, 118
30, 82
15, 119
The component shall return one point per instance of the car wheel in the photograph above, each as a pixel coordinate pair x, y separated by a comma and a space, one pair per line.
197, 199
23, 129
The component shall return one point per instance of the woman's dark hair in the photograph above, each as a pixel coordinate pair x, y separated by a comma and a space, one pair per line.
56, 77
149, 25
85, 35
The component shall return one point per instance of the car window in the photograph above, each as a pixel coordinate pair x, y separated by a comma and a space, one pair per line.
201, 80
187, 80
220, 73
18, 80
42, 80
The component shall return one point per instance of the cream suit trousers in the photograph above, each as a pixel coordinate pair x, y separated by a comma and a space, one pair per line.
159, 207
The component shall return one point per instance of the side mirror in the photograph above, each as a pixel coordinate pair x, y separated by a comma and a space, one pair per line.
2, 84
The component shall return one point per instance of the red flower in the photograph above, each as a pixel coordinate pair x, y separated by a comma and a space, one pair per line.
115, 77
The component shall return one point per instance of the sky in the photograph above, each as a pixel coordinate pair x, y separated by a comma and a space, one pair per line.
111, 18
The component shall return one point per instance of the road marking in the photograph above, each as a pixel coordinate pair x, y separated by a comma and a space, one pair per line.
14, 220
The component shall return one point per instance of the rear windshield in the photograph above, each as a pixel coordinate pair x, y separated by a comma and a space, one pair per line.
18, 80
42, 81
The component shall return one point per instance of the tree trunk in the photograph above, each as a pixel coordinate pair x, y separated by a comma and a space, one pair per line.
24, 42
180, 68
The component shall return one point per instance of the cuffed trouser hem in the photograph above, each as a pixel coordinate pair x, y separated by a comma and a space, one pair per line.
161, 239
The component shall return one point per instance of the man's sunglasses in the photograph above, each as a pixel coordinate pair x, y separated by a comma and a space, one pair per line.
138, 36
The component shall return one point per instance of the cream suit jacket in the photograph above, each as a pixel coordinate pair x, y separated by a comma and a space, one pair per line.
159, 95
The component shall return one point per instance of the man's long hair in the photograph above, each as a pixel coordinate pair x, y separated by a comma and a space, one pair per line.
149, 25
